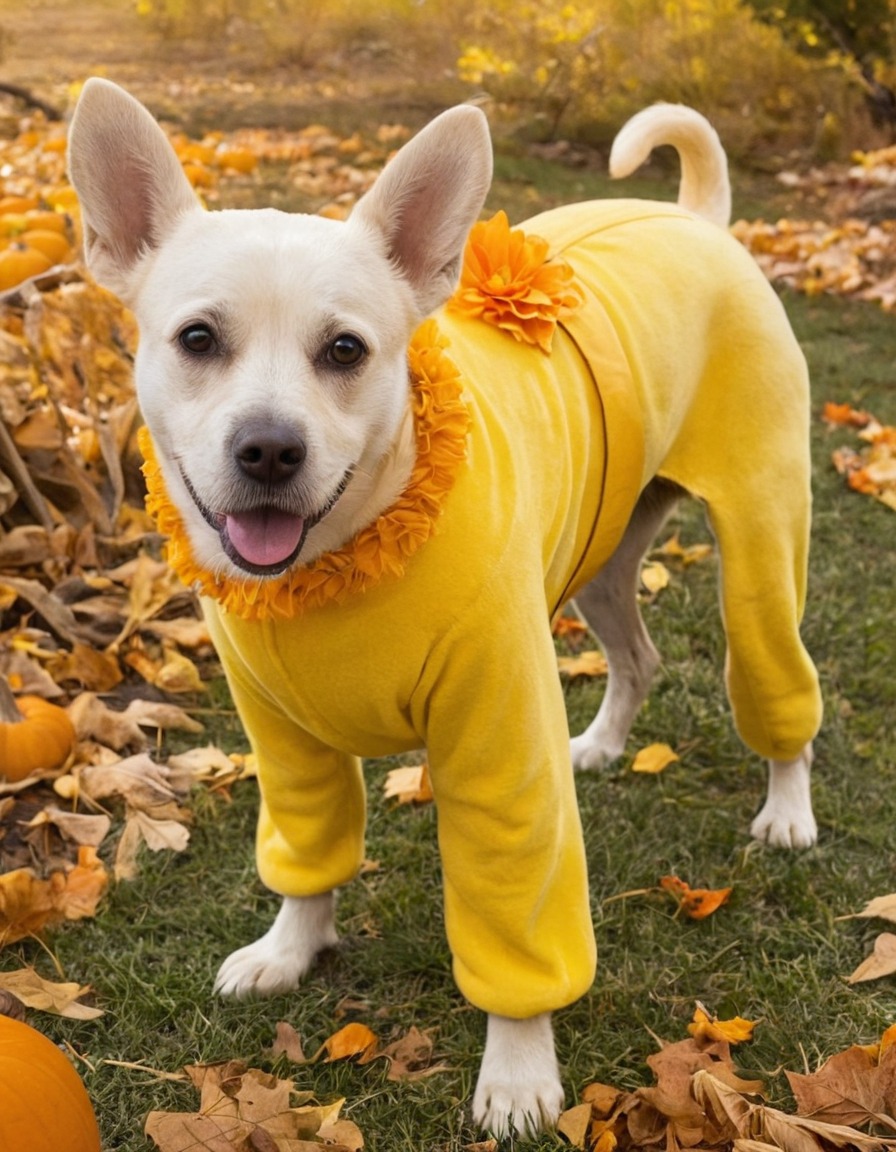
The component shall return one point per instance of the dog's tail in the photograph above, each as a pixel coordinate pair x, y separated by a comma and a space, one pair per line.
704, 188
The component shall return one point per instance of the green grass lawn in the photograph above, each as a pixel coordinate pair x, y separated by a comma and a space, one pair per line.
776, 953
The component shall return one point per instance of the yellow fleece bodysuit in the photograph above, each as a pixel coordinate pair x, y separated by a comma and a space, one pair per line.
679, 362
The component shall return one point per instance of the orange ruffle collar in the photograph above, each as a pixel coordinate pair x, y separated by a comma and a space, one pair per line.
509, 281
441, 424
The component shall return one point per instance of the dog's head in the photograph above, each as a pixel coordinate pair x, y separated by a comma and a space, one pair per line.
272, 368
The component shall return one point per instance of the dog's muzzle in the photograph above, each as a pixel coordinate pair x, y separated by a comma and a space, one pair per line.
264, 540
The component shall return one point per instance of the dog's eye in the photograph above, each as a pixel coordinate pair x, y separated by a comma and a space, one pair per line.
346, 351
198, 340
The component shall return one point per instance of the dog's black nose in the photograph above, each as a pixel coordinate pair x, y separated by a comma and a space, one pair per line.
269, 453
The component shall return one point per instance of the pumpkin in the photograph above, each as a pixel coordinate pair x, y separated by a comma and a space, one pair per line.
34, 734
52, 244
18, 262
44, 1106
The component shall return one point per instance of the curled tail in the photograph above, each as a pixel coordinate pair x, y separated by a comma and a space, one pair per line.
704, 188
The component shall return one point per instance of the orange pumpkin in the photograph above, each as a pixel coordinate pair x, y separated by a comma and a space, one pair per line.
52, 244
18, 262
41, 738
44, 1106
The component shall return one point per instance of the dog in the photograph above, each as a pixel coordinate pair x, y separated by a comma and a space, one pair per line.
380, 560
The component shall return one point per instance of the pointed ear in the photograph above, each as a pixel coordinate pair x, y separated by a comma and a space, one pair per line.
427, 199
129, 181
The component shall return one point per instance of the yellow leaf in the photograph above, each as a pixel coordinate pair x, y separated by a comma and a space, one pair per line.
410, 785
654, 758
352, 1040
590, 663
698, 903
710, 1028
655, 577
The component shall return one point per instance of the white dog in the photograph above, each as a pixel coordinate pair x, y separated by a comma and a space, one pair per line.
383, 512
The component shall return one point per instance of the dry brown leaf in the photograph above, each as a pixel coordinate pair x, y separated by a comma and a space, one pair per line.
410, 1057
574, 1125
728, 1107
883, 907
881, 962
74, 826
29, 905
853, 1087
93, 720
60, 999
288, 1043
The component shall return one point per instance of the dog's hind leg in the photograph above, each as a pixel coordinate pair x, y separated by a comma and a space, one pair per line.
610, 606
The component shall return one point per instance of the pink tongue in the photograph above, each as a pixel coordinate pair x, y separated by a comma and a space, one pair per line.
264, 536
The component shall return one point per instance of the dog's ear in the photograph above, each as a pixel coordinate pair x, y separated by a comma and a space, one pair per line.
129, 181
427, 199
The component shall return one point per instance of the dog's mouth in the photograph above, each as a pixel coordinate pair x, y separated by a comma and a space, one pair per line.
264, 540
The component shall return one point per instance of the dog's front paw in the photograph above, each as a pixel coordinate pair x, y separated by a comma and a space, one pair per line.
519, 1088
786, 819
278, 960
590, 752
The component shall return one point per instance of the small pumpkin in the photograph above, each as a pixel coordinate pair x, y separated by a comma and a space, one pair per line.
18, 263
34, 734
44, 1106
54, 245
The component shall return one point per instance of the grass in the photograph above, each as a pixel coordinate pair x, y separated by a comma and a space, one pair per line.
776, 953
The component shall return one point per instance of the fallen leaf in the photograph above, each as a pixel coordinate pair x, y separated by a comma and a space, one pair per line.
288, 1043
410, 1057
853, 1087
45, 996
881, 962
353, 1040
883, 907
574, 1125
409, 785
590, 663
698, 903
655, 577
705, 1027
654, 758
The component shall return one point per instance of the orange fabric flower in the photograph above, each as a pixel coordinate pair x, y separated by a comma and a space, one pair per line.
509, 280
442, 423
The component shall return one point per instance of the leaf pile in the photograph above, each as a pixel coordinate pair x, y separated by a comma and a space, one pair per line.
870, 470
700, 1101
854, 257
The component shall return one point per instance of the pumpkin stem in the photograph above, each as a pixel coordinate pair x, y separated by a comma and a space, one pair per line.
9, 710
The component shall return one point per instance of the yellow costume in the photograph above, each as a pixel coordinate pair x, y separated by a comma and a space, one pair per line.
639, 358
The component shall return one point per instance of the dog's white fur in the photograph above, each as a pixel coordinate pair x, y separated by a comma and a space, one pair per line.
278, 289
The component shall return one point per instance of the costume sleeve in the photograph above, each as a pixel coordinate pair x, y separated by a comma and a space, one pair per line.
517, 910
311, 821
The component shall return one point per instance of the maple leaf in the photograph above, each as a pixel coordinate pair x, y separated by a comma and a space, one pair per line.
29, 904
856, 1087
654, 758
698, 903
